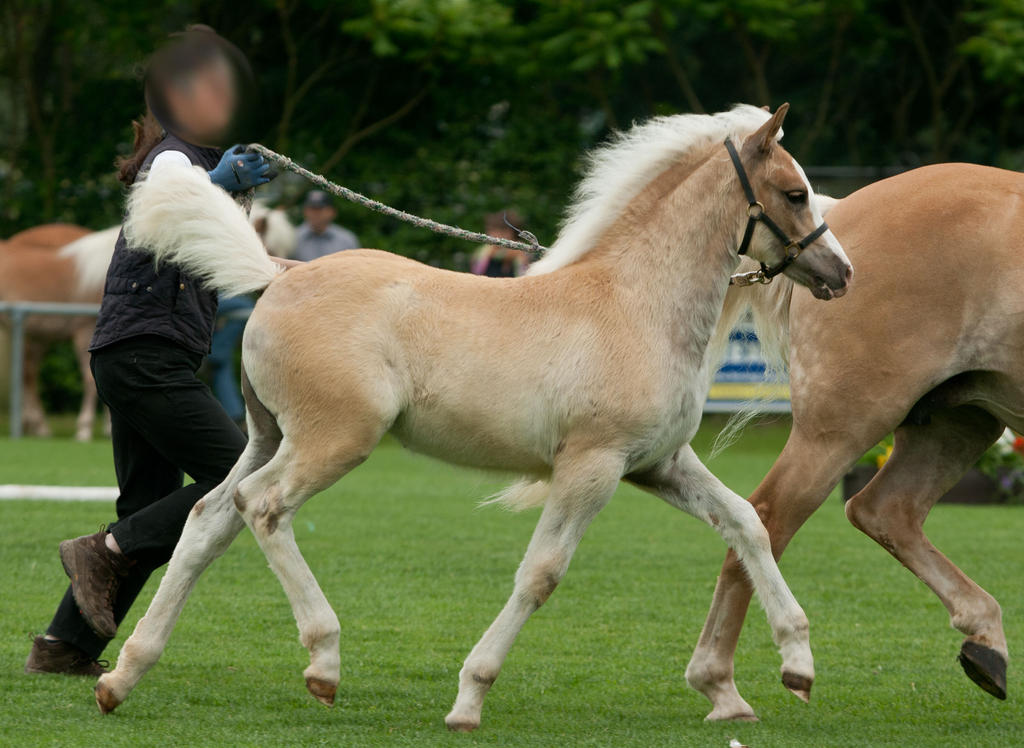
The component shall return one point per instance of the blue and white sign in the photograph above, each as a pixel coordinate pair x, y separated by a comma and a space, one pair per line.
742, 379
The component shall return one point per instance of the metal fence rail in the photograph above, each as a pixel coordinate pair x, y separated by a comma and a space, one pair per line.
17, 311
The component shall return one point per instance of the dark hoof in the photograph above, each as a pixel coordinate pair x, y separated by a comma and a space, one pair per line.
322, 690
984, 666
800, 686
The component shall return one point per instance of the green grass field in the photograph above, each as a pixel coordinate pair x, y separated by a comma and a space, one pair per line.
416, 573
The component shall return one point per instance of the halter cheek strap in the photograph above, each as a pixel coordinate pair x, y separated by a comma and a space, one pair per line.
755, 214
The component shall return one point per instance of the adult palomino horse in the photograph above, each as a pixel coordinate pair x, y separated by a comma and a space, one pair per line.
64, 263
942, 366
601, 356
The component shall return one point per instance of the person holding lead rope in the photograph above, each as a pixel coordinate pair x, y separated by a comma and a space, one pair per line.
152, 333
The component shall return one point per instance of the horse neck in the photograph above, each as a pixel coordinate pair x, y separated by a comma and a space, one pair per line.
673, 249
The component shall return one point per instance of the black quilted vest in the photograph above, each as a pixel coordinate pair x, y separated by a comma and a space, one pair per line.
139, 299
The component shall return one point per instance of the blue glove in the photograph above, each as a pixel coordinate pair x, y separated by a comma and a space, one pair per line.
239, 171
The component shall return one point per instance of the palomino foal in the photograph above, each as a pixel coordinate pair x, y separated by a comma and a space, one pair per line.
600, 354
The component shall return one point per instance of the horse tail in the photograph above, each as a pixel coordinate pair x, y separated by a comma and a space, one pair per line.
179, 216
521, 495
91, 255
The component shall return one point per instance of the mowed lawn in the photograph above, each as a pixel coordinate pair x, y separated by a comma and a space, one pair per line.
417, 572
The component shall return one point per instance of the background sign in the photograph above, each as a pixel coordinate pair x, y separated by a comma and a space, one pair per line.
742, 379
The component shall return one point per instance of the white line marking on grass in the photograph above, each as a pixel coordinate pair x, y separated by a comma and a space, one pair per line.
14, 492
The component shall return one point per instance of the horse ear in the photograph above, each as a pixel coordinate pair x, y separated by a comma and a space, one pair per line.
764, 138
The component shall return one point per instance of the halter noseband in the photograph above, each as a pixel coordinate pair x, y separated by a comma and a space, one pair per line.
755, 213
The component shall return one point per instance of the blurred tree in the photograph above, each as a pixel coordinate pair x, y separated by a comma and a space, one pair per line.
458, 108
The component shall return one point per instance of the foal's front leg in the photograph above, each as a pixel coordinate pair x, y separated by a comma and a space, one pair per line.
685, 483
581, 485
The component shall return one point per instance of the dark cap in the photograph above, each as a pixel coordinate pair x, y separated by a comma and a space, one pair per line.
318, 199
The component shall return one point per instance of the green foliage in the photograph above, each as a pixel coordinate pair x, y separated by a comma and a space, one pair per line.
368, 89
61, 382
460, 31
457, 108
581, 35
999, 43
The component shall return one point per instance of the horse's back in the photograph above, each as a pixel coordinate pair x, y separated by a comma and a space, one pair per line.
938, 269
31, 268
49, 236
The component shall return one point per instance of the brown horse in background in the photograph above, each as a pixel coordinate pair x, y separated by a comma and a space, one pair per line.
65, 263
939, 278
33, 268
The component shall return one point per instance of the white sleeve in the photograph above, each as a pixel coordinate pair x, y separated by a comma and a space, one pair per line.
169, 158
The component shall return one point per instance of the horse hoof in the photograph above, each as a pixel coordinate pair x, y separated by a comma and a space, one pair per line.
984, 666
461, 724
322, 690
800, 685
105, 698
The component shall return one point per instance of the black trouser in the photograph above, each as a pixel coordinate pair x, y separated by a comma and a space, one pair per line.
165, 422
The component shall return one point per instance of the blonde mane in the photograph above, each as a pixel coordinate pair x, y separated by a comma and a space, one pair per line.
617, 171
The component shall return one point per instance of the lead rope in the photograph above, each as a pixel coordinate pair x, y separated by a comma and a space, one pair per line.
529, 243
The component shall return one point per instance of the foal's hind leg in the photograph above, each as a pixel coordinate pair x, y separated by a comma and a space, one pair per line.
581, 485
268, 500
685, 483
211, 526
926, 461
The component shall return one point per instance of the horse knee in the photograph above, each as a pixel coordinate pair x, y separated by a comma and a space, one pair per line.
538, 580
260, 507
744, 528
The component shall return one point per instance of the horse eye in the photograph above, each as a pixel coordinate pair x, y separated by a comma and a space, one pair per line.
797, 197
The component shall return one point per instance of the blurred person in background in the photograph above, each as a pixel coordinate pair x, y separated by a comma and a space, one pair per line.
278, 237
495, 261
232, 314
152, 332
318, 235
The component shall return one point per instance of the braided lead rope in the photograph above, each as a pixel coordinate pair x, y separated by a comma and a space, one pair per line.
529, 243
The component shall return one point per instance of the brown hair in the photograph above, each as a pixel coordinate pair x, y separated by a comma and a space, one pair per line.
148, 133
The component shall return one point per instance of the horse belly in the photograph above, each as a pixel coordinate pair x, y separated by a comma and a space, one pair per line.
496, 438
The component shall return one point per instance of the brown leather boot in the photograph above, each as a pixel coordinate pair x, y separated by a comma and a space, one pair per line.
95, 572
60, 657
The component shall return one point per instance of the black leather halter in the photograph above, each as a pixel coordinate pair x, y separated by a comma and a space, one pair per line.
755, 213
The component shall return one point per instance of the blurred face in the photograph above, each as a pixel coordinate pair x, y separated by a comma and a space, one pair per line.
203, 102
319, 218
501, 231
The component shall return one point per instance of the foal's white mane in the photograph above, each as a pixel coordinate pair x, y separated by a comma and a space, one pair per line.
617, 171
